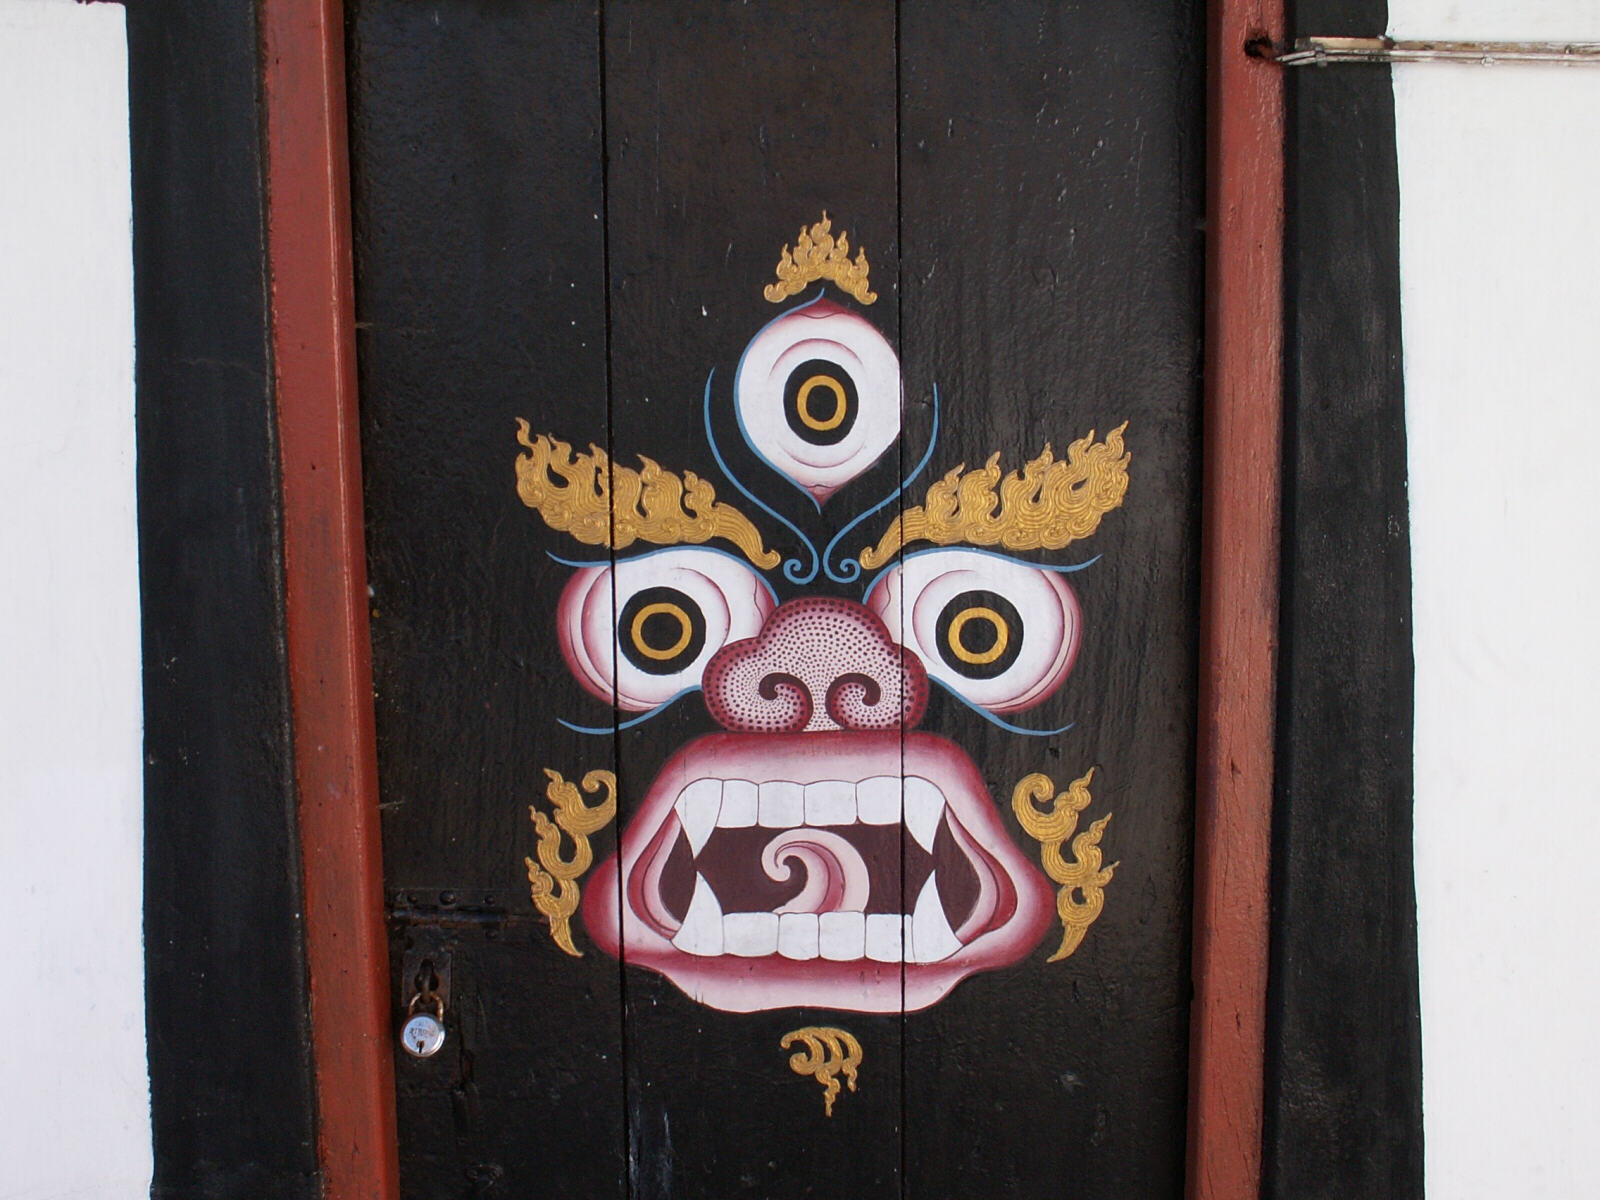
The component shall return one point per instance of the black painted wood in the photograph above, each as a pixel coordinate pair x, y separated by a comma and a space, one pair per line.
477, 170
1344, 1080
229, 1048
729, 126
1052, 167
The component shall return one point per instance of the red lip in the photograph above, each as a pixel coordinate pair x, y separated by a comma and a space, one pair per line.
799, 870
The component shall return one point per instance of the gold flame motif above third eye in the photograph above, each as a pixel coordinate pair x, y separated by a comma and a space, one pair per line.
828, 1053
553, 880
602, 504
1044, 506
817, 255
1083, 875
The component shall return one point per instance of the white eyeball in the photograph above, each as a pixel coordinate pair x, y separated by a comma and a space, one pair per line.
818, 396
999, 632
673, 610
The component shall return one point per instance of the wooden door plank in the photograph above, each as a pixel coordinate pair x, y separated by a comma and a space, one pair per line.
330, 671
729, 127
480, 261
1050, 164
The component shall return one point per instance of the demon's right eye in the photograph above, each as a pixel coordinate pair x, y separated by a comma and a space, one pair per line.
662, 630
667, 612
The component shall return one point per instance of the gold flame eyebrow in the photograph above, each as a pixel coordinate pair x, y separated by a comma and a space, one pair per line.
603, 504
818, 255
1044, 506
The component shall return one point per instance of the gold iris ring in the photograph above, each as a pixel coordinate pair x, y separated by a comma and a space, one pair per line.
636, 631
1002, 635
802, 403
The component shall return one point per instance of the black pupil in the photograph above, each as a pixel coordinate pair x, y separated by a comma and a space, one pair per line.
980, 634
661, 630
820, 402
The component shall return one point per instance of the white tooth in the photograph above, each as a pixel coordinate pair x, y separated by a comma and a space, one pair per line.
831, 802
738, 804
701, 932
697, 810
883, 937
924, 808
751, 934
781, 805
797, 935
878, 800
932, 939
842, 936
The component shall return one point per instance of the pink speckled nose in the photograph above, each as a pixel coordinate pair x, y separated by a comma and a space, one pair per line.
818, 663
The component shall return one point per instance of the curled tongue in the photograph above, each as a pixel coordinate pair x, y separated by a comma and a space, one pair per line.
836, 875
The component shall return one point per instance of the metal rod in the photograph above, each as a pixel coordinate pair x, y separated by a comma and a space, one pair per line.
1322, 51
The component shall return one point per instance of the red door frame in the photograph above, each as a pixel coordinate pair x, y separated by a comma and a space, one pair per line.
329, 651
1239, 565
325, 595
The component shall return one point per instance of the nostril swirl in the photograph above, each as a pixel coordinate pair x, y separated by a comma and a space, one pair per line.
855, 686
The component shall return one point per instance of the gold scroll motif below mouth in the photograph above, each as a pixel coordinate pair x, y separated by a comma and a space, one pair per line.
827, 1054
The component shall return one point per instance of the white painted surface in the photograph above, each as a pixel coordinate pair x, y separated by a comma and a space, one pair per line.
1500, 284
1496, 20
74, 1092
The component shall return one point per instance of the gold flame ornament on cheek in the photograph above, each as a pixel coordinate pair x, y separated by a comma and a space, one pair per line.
1082, 895
553, 880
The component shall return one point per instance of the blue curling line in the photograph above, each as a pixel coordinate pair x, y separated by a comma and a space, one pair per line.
1066, 569
605, 562
850, 568
792, 570
994, 720
629, 724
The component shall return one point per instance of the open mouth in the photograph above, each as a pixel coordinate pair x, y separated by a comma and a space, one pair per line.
837, 869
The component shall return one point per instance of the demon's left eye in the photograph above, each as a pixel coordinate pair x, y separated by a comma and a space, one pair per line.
667, 612
999, 632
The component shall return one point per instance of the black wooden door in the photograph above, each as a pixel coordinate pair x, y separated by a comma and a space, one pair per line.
780, 435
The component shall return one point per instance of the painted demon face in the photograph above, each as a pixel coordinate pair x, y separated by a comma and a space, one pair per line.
819, 851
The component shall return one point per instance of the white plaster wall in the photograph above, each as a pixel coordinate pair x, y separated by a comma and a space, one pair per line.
1500, 286
74, 1091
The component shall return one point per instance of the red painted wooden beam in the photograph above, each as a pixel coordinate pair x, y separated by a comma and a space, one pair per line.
1239, 597
330, 670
